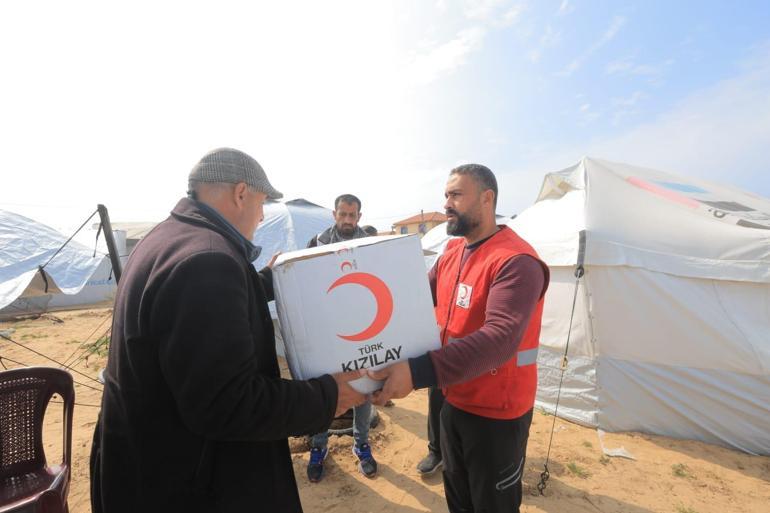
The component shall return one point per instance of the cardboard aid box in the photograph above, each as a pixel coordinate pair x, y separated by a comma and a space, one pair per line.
359, 304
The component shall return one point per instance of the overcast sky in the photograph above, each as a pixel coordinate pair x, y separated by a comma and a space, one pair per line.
105, 102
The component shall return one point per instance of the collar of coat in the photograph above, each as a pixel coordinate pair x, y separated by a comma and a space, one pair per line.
194, 212
332, 235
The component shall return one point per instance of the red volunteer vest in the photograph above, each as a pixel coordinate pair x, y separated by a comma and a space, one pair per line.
507, 392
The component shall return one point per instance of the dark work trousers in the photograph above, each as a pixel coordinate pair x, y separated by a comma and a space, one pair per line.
483, 461
435, 402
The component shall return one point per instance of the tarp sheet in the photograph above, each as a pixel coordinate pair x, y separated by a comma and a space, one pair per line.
25, 245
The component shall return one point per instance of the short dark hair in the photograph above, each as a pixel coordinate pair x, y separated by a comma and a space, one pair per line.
347, 198
482, 174
371, 230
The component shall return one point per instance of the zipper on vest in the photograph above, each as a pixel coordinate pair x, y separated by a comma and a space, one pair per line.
454, 294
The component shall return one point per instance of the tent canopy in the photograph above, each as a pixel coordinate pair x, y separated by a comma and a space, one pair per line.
289, 226
649, 219
25, 245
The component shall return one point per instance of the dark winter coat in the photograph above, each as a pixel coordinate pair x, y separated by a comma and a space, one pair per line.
194, 414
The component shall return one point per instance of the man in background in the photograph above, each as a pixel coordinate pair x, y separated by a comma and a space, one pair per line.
347, 213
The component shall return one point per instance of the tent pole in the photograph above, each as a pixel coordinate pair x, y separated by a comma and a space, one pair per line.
108, 237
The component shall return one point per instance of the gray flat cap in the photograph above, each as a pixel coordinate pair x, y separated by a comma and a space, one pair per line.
226, 165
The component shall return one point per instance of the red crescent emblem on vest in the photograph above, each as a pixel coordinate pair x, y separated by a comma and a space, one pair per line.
381, 295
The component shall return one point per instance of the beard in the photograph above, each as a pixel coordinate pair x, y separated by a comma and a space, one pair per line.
346, 229
461, 225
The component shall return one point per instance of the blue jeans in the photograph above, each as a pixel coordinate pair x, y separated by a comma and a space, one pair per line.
361, 418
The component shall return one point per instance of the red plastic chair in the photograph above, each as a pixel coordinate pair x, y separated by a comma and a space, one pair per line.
27, 482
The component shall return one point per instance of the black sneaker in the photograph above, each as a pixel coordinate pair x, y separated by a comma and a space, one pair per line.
429, 464
366, 464
315, 468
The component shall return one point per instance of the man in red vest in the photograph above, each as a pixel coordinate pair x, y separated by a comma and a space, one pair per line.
488, 290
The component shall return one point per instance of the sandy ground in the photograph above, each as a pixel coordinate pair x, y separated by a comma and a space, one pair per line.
668, 475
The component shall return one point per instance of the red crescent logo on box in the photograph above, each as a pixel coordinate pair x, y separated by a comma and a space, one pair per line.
382, 296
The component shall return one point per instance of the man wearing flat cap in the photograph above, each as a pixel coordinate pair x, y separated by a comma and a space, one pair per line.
195, 416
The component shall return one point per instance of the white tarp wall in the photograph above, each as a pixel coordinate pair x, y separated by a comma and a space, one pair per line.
671, 331
25, 245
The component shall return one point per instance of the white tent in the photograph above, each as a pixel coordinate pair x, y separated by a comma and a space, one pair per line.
25, 245
434, 243
671, 333
288, 226
134, 232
